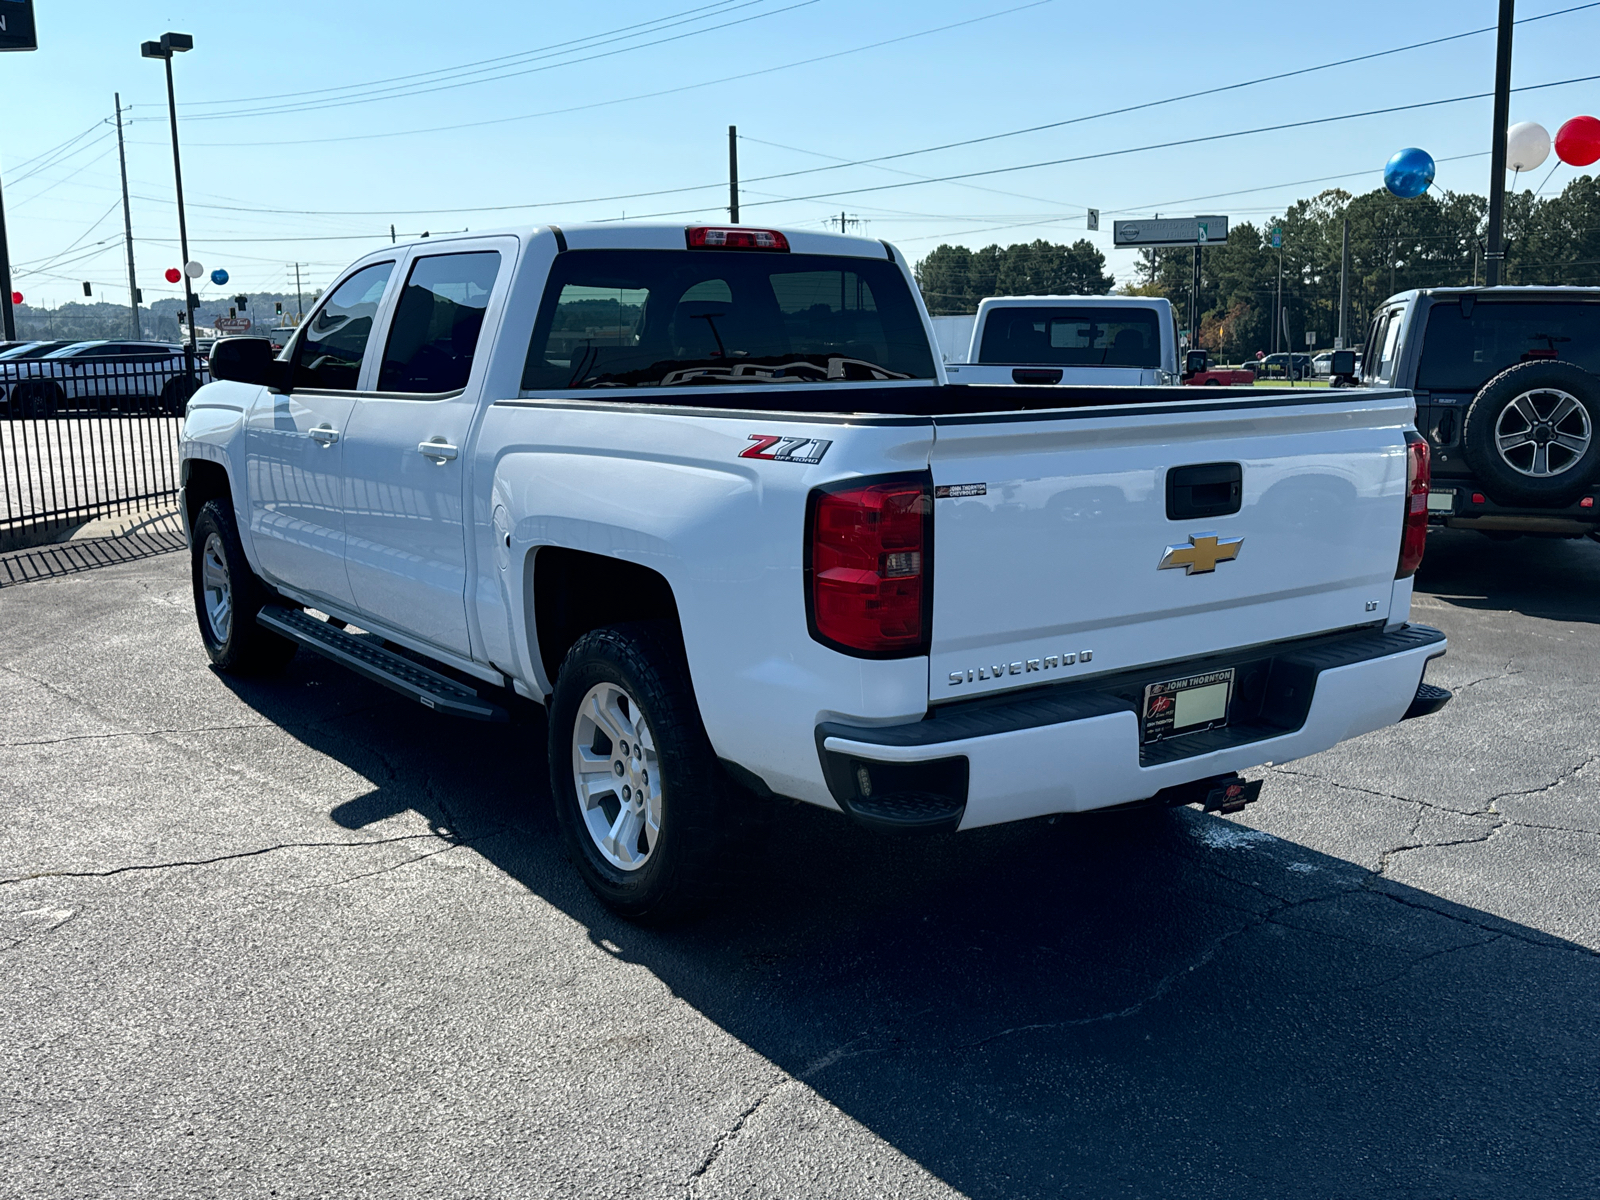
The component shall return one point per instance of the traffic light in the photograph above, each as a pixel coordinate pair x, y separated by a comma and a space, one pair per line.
280, 307
86, 289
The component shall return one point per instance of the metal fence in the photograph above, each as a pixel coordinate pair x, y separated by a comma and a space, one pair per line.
81, 439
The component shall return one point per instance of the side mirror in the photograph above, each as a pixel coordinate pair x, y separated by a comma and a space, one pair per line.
241, 359
1344, 363
1194, 362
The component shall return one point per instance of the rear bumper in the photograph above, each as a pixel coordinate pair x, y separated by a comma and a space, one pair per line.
1077, 747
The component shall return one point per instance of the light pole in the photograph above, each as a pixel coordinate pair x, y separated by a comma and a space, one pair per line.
170, 44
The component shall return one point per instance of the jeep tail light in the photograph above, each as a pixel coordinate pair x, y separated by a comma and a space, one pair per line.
715, 237
1414, 533
868, 575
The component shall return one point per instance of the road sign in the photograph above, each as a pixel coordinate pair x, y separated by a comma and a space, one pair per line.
1172, 231
1094, 219
16, 25
1311, 339
1277, 237
232, 324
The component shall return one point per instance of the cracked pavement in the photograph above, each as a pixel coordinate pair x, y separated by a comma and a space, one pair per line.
300, 938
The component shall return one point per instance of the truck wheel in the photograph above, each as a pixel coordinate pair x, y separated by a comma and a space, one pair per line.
644, 807
38, 400
175, 395
227, 596
1530, 433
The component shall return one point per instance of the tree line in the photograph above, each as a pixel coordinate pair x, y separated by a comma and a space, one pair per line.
1435, 240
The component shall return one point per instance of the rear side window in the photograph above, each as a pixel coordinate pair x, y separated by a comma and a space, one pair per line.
1072, 337
642, 318
1461, 353
335, 339
437, 322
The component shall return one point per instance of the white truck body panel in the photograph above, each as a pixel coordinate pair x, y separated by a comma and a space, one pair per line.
442, 555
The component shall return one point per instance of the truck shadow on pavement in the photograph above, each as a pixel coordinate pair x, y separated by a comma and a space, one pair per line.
1158, 1005
1554, 578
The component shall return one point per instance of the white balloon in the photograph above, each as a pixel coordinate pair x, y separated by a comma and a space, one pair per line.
194, 270
1527, 145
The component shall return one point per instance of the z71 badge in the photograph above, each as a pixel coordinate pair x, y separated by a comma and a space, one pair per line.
773, 448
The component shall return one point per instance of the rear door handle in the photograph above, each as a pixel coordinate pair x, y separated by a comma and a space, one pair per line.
437, 449
324, 433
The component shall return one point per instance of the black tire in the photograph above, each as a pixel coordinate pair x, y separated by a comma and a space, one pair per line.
1536, 388
697, 806
239, 646
36, 400
175, 395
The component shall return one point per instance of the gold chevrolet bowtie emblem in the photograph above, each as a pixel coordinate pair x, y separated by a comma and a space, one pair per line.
1202, 554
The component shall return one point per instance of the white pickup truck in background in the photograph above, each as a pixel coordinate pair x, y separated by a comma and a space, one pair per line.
1100, 341
708, 496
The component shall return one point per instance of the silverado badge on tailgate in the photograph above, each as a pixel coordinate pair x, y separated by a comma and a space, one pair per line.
1202, 554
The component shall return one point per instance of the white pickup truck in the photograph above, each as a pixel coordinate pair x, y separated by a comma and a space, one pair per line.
707, 496
1101, 341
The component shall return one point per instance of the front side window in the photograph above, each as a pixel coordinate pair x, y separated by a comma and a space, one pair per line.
641, 318
437, 322
335, 338
1072, 337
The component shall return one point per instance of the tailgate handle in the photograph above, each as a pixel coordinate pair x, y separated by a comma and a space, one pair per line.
1035, 375
1204, 490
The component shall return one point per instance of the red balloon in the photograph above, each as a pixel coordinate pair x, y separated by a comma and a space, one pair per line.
1578, 142
173, 274
16, 297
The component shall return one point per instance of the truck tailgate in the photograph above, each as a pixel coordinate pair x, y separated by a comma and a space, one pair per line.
1050, 531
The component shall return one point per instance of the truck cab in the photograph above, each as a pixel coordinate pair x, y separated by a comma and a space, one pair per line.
1116, 341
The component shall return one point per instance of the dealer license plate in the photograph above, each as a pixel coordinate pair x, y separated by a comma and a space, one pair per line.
1442, 500
1186, 705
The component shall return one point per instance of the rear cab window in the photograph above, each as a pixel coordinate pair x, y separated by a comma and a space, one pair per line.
616, 319
438, 319
1072, 336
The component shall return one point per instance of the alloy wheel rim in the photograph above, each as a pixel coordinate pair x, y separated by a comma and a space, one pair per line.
216, 589
616, 773
1543, 433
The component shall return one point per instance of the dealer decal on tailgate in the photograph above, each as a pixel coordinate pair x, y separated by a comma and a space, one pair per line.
786, 449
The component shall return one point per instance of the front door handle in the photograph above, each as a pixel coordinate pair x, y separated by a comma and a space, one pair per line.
324, 433
437, 449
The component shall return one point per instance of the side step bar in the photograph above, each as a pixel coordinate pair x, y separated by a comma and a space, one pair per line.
365, 657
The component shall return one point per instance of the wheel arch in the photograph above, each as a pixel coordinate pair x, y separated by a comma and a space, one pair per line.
203, 480
571, 592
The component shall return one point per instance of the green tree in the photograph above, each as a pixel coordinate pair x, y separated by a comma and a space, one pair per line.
954, 279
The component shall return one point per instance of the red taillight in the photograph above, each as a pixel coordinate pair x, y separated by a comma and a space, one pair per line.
715, 237
869, 575
1414, 534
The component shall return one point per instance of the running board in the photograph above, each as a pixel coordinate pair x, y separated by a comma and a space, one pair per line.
365, 657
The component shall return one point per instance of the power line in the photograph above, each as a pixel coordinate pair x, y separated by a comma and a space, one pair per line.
688, 87
445, 71
320, 106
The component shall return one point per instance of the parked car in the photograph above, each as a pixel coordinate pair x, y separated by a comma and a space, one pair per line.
706, 496
1126, 341
1277, 366
1199, 372
101, 376
25, 350
1507, 381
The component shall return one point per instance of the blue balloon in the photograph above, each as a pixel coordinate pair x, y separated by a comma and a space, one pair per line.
1409, 173
220, 277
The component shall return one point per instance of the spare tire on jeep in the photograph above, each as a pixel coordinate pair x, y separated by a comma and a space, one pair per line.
1530, 434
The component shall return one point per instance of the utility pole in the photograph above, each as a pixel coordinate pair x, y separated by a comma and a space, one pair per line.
170, 44
1344, 284
1194, 304
391, 235
127, 226
1497, 145
299, 297
1279, 304
733, 173
7, 318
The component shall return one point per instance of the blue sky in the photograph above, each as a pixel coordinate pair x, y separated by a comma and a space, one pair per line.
592, 102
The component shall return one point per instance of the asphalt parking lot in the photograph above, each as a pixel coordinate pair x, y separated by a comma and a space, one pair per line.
301, 938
